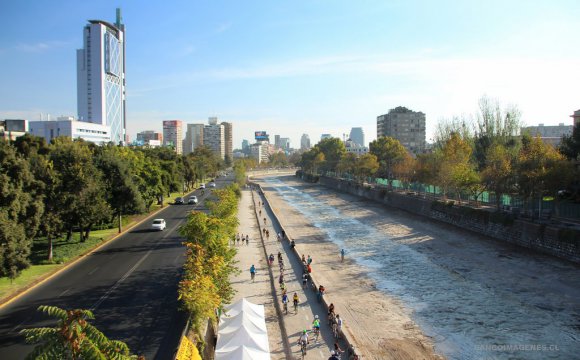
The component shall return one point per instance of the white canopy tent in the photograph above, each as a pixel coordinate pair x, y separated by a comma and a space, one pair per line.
242, 333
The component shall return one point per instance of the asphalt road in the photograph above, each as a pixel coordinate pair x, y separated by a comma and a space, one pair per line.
130, 284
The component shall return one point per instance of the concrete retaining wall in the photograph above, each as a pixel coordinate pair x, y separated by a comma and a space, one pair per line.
537, 236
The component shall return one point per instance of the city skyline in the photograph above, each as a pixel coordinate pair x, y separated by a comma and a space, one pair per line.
325, 66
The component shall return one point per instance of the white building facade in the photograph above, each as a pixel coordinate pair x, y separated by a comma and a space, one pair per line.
193, 138
68, 126
260, 151
214, 137
101, 77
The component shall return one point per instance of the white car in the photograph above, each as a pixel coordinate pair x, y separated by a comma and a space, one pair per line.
202, 186
192, 200
158, 224
212, 184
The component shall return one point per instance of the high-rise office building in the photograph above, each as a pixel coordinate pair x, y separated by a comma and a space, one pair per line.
284, 143
405, 125
193, 138
173, 135
214, 137
277, 141
228, 138
305, 142
101, 77
357, 136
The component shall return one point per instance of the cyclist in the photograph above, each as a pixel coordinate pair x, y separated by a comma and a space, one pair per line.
280, 257
295, 301
303, 340
271, 259
292, 244
316, 323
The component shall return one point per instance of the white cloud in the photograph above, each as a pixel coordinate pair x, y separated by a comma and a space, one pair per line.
40, 46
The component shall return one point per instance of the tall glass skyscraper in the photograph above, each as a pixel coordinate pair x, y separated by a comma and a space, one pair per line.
101, 76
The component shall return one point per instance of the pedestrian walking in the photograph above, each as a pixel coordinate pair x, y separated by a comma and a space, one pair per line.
342, 252
260, 212
303, 259
309, 261
265, 221
247, 240
252, 272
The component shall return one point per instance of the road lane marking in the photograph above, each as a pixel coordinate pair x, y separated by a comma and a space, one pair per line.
127, 274
93, 271
64, 292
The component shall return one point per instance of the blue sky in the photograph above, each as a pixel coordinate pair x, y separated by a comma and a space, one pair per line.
302, 66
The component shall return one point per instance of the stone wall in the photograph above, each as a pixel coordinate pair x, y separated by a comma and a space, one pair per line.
542, 237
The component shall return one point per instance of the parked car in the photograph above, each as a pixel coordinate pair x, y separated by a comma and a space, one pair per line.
179, 201
192, 200
202, 186
158, 224
212, 184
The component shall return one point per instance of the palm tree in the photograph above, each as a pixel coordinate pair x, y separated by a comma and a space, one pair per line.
73, 338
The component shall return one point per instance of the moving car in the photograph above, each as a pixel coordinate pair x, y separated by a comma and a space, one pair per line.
158, 224
179, 201
212, 184
192, 200
202, 186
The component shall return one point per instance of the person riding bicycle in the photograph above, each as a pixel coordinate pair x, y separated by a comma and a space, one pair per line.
303, 338
316, 323
284, 299
304, 279
280, 257
295, 299
292, 244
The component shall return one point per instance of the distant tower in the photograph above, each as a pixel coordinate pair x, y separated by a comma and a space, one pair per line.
357, 136
305, 142
101, 77
173, 135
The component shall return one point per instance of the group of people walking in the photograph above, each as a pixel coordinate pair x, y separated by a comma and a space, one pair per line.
245, 239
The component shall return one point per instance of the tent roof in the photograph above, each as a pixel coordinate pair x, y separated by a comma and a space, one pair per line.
242, 332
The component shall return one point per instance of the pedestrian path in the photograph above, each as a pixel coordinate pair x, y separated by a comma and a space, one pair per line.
309, 306
259, 291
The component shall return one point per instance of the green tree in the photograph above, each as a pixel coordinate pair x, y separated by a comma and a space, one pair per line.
455, 168
390, 153
347, 164
542, 169
333, 149
73, 338
498, 174
81, 188
570, 146
20, 212
366, 165
121, 192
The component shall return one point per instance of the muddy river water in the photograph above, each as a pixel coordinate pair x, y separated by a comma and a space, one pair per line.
482, 301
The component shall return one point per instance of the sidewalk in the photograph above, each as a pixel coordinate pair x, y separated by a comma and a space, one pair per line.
260, 291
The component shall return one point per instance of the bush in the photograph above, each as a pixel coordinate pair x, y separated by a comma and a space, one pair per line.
569, 236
